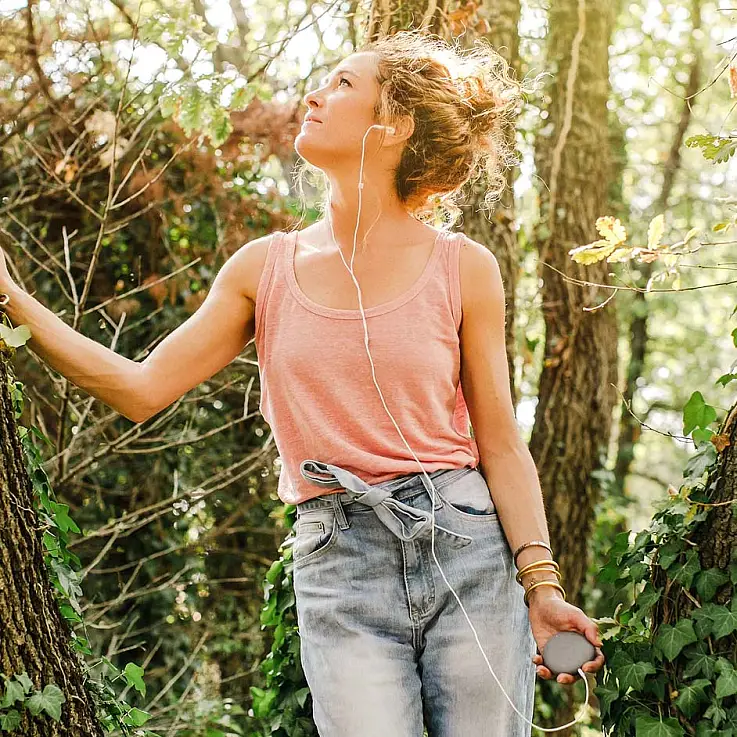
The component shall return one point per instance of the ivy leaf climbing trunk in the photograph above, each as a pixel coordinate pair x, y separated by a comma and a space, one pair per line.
577, 388
715, 537
34, 637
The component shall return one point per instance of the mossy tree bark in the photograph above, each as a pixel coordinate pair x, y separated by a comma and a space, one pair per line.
34, 637
577, 388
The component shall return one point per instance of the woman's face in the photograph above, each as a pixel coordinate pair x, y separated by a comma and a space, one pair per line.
344, 106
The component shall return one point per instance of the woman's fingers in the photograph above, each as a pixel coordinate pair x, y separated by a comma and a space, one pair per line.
594, 665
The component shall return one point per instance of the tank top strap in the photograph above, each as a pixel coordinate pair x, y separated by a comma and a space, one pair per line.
267, 280
455, 241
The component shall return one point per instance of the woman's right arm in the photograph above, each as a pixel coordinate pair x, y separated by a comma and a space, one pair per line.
202, 345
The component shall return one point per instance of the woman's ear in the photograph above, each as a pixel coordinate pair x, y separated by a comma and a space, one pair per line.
403, 128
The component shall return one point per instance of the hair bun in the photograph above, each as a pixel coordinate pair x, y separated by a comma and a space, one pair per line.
481, 104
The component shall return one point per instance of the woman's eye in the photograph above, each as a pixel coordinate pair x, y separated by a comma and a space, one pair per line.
343, 79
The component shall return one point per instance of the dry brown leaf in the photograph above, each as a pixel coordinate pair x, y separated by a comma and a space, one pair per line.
720, 442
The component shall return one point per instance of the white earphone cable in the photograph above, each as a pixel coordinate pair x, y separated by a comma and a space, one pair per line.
381, 395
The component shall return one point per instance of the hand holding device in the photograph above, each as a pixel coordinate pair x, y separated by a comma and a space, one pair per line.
566, 652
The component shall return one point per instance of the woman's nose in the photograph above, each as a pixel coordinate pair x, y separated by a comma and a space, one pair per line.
310, 99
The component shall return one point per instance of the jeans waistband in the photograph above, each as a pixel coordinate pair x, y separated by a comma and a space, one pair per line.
403, 520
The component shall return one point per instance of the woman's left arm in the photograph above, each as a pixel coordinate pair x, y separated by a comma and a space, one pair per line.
504, 458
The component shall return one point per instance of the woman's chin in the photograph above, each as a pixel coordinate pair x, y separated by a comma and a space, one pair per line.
310, 151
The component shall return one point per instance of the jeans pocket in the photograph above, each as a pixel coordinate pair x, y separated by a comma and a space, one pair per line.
315, 531
469, 497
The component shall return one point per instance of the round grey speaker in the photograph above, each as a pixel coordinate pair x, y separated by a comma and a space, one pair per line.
566, 652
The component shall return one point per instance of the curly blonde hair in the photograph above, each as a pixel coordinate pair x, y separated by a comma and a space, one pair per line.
462, 101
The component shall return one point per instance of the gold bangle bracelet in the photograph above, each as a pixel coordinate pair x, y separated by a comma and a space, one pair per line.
543, 583
520, 576
542, 560
552, 565
539, 543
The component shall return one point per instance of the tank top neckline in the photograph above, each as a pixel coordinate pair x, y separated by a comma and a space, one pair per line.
345, 314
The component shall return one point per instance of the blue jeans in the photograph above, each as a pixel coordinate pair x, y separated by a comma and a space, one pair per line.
385, 647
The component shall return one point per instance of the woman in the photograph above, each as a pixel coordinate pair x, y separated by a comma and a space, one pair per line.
384, 643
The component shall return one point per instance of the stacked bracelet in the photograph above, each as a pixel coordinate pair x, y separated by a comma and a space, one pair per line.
540, 565
540, 543
543, 583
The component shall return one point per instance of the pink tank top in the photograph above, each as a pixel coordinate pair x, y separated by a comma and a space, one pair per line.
317, 391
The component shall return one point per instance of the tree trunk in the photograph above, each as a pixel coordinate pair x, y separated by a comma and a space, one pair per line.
388, 17
34, 637
577, 390
716, 536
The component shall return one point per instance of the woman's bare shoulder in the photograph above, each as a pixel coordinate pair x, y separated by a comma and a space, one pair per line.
249, 261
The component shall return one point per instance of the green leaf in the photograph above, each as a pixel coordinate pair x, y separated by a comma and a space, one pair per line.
724, 379
724, 620
648, 597
13, 692
301, 696
672, 639
647, 726
668, 552
168, 104
619, 255
638, 571
691, 696
714, 148
15, 337
133, 674
684, 572
50, 701
241, 97
716, 714
591, 253
10, 721
726, 683
191, 112
220, 127
703, 619
25, 681
136, 717
697, 413
629, 673
61, 515
702, 435
700, 662
690, 235
700, 461
708, 581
